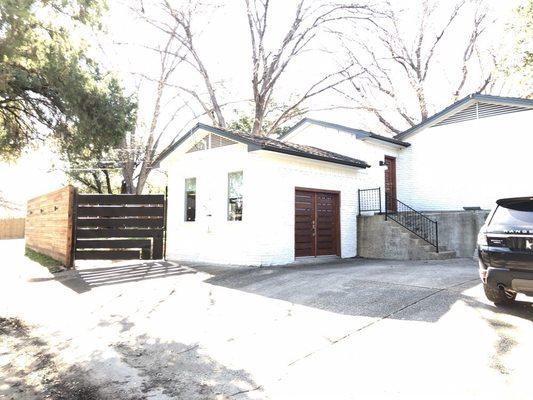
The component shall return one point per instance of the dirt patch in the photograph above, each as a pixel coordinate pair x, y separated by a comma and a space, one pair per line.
29, 370
183, 372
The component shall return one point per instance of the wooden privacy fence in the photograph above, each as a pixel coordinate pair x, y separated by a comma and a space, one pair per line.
49, 224
12, 228
67, 226
120, 227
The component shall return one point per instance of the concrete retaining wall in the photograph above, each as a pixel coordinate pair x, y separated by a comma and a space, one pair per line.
458, 231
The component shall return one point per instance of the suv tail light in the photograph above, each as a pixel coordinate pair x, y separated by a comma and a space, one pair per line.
482, 239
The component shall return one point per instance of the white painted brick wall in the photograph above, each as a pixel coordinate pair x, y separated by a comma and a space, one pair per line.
346, 143
266, 234
279, 176
470, 163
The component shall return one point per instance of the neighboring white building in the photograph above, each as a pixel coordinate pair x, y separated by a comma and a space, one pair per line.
240, 199
468, 155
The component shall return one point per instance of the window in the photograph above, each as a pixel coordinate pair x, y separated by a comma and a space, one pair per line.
517, 215
190, 199
235, 196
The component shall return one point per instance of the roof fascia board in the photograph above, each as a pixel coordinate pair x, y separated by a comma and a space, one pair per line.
435, 119
191, 132
382, 142
507, 101
314, 157
462, 104
359, 133
251, 145
293, 128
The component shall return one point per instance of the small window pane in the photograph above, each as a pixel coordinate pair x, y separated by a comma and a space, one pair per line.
190, 199
235, 196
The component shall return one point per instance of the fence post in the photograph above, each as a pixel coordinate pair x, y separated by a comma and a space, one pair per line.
359, 200
73, 220
379, 194
437, 234
165, 225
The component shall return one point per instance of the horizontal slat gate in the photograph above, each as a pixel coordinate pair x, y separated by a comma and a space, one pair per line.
119, 227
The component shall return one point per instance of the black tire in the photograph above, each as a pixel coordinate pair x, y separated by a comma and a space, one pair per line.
497, 296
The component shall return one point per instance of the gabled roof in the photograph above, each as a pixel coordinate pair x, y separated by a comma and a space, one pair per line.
466, 109
265, 143
359, 133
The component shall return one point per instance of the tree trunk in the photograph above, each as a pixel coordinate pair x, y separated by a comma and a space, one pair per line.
108, 182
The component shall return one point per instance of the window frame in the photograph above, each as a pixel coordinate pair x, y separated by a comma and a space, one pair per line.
186, 198
228, 198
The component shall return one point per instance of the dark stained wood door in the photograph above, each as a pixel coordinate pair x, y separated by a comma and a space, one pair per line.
305, 244
390, 183
317, 223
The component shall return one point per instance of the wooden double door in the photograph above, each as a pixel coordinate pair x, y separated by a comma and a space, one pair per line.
317, 223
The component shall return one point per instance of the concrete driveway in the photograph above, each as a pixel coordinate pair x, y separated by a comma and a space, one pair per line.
343, 330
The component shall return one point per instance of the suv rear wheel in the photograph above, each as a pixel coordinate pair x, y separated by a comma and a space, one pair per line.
497, 296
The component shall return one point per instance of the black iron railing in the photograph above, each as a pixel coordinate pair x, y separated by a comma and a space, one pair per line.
414, 221
369, 200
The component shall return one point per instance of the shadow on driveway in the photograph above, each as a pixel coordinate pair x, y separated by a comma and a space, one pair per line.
83, 279
405, 290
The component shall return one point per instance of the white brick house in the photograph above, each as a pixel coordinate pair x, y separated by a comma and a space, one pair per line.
261, 201
272, 226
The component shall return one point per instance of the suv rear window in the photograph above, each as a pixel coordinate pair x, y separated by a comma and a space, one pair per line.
519, 214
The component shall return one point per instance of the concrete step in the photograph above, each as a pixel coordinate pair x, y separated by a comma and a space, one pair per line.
400, 243
442, 255
418, 248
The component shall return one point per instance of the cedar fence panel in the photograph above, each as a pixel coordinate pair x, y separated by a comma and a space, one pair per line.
120, 227
12, 228
49, 224
66, 226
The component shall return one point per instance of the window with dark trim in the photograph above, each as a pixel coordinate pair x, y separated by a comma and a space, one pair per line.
190, 199
235, 196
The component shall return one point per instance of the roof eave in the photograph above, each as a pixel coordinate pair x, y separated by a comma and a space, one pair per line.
389, 141
241, 139
461, 104
316, 157
359, 133
436, 118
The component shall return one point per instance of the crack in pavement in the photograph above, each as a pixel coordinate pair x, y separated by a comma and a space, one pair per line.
413, 286
245, 391
377, 320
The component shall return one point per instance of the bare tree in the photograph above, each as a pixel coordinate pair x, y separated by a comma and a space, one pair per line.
396, 66
177, 24
310, 20
7, 204
138, 152
140, 149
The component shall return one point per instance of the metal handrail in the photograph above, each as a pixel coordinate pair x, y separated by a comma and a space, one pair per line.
411, 209
413, 220
403, 214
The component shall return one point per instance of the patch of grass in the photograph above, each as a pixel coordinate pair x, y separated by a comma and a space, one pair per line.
47, 262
